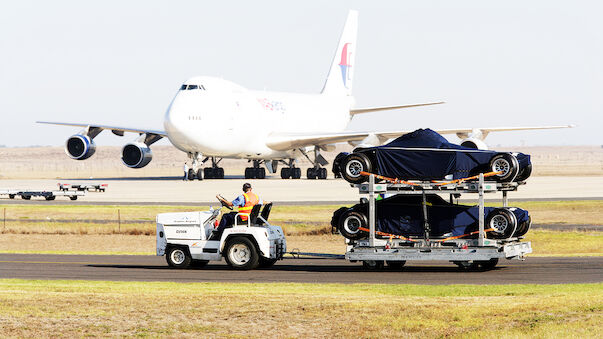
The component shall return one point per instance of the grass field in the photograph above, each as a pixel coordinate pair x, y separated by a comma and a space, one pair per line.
96, 229
149, 309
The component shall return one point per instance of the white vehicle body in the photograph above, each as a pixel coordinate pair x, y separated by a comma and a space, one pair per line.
191, 231
215, 118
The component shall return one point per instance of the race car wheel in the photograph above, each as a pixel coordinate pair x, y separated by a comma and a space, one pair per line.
503, 222
396, 265
524, 173
178, 257
505, 163
523, 228
350, 223
241, 254
352, 165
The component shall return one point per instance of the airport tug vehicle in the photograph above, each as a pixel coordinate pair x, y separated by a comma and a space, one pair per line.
189, 239
477, 250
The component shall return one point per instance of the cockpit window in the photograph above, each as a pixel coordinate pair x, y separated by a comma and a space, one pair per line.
191, 87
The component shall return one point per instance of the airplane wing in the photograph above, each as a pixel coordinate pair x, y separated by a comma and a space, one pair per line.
287, 141
387, 108
117, 130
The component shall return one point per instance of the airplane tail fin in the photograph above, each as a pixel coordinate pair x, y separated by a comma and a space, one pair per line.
341, 74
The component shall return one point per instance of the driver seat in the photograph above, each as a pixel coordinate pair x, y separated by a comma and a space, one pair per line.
265, 214
253, 216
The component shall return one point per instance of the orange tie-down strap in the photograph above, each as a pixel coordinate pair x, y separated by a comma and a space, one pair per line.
408, 239
399, 181
392, 180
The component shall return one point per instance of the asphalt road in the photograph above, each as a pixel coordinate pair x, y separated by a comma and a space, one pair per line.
554, 270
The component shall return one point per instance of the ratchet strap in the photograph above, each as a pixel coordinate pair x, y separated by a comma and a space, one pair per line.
392, 180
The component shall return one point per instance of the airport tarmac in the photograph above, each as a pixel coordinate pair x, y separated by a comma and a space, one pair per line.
552, 270
174, 190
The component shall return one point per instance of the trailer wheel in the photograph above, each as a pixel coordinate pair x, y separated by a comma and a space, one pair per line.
241, 254
487, 264
352, 165
178, 257
466, 265
372, 265
73, 197
396, 265
50, 197
265, 262
350, 223
12, 196
503, 222
505, 163
26, 197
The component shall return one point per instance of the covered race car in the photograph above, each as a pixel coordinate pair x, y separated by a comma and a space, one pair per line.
426, 155
403, 215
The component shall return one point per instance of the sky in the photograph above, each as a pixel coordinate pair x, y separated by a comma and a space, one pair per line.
504, 63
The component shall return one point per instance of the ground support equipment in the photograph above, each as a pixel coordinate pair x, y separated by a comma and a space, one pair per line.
466, 253
48, 195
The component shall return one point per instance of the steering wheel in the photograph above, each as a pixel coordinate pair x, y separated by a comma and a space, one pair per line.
223, 202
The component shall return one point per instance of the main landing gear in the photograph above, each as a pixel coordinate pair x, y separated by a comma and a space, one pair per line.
316, 172
214, 172
255, 172
197, 172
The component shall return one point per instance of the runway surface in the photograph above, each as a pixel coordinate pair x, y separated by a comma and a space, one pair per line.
172, 190
555, 270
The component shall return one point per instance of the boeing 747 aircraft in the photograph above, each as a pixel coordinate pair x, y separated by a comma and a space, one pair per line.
268, 128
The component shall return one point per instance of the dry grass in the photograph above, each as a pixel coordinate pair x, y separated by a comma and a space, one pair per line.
147, 309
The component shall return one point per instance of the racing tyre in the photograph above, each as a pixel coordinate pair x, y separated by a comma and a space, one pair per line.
178, 257
350, 223
311, 173
200, 174
241, 254
265, 262
191, 174
285, 173
372, 265
523, 228
352, 165
396, 265
524, 173
503, 222
507, 164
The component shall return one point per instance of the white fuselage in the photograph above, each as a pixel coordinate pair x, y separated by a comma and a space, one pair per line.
222, 119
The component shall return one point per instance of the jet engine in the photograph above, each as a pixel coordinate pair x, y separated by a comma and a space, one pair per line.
136, 155
474, 143
80, 147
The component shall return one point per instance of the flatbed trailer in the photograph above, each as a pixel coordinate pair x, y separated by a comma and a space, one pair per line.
466, 253
82, 187
48, 195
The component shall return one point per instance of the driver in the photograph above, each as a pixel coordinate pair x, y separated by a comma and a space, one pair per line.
244, 202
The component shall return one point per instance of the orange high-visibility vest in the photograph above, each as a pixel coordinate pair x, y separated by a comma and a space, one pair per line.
251, 199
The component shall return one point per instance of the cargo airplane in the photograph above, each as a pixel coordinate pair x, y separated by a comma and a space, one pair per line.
211, 118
